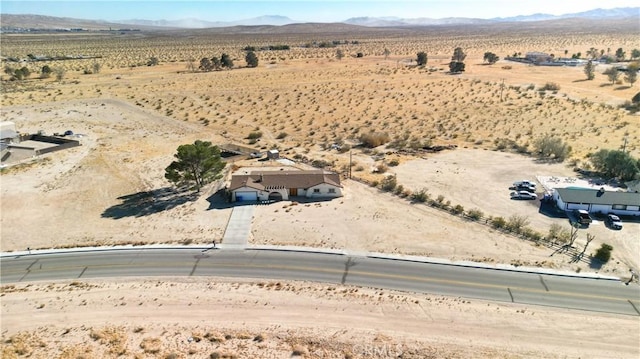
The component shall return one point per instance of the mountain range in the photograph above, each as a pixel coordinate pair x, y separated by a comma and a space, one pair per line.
591, 14
49, 22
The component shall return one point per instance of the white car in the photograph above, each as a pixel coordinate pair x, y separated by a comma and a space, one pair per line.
524, 183
523, 195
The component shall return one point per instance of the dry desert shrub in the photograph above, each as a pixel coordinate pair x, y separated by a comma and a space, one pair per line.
115, 338
151, 345
22, 345
78, 351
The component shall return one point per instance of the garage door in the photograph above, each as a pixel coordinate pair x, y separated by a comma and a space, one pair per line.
246, 196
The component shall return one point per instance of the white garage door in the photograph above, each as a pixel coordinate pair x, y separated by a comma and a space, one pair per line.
246, 196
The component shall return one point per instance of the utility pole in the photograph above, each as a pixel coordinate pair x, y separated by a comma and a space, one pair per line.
624, 145
501, 88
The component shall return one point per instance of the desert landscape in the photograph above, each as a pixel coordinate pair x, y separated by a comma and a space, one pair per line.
130, 118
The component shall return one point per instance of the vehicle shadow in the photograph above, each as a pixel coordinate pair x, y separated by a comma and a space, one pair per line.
145, 203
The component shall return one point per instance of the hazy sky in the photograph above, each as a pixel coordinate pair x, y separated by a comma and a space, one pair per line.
301, 10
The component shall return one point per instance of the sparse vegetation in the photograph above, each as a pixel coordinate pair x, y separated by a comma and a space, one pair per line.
603, 254
549, 146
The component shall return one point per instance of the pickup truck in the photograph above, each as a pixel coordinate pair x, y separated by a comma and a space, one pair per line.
582, 216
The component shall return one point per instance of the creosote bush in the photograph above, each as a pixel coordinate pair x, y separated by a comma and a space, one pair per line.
603, 254
420, 196
474, 214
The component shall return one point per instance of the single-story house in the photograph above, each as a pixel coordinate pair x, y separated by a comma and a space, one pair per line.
280, 185
598, 201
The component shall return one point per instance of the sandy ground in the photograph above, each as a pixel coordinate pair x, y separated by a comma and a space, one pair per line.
111, 191
196, 317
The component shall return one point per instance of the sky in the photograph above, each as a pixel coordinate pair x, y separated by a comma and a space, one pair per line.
300, 10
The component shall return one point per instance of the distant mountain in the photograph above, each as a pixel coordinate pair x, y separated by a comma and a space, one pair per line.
202, 24
422, 21
26, 21
625, 12
621, 12
10, 21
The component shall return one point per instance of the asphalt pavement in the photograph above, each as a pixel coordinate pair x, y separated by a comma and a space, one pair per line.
593, 294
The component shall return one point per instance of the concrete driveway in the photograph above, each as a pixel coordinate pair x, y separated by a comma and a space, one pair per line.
239, 226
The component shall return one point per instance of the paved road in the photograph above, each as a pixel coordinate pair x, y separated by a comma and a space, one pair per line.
490, 284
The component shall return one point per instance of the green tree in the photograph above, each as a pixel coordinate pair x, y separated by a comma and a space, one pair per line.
603, 254
458, 55
620, 54
21, 73
590, 70
635, 53
153, 61
339, 54
612, 74
422, 58
45, 72
386, 53
215, 62
615, 164
251, 59
205, 65
592, 53
457, 65
490, 57
96, 67
631, 75
226, 61
198, 163
548, 146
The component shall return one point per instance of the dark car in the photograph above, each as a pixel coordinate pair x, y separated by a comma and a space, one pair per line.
582, 216
613, 221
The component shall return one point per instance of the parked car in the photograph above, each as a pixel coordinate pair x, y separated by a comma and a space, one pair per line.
524, 183
582, 216
530, 189
523, 195
613, 221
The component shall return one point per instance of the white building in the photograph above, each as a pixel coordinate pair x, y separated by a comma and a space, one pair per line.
598, 201
280, 185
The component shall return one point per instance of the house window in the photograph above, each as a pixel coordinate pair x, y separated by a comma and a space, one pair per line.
316, 190
619, 206
332, 190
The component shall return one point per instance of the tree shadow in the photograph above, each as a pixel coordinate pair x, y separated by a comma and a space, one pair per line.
149, 202
606, 84
621, 88
581, 80
220, 200
595, 263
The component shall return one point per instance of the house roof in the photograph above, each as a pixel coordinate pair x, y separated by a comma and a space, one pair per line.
594, 196
265, 180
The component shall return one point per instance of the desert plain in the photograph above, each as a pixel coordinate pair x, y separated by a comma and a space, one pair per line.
131, 117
